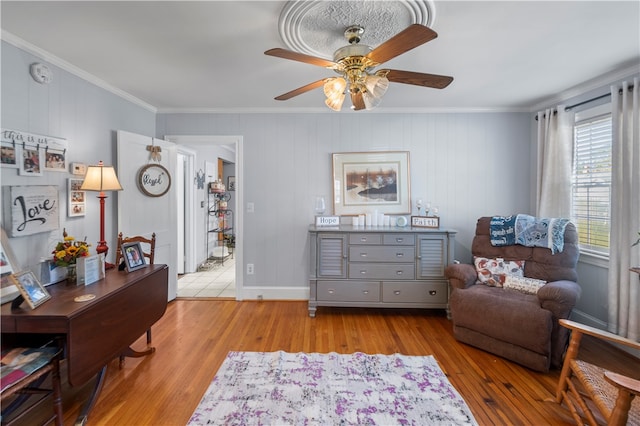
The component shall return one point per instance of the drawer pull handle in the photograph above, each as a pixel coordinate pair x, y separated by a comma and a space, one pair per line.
399, 240
399, 254
331, 291
398, 272
363, 239
365, 292
397, 292
363, 254
432, 292
363, 272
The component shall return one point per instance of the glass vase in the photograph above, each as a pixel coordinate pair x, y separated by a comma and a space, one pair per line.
72, 274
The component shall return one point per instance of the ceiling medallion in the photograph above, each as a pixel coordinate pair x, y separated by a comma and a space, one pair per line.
314, 27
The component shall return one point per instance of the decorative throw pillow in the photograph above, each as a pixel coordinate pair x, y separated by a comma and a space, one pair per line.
523, 284
493, 272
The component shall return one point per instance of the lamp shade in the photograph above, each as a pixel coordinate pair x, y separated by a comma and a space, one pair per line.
101, 178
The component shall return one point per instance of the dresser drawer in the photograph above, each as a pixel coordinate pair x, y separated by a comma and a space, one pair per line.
382, 254
382, 271
399, 240
414, 292
365, 238
348, 291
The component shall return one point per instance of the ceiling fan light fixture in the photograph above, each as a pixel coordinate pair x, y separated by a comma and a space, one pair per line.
376, 85
370, 101
334, 86
335, 102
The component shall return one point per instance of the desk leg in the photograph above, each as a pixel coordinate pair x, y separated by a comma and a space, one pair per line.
86, 409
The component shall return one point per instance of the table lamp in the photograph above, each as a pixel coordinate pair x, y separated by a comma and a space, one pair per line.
101, 178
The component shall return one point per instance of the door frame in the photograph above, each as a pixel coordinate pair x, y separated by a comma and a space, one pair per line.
186, 141
190, 262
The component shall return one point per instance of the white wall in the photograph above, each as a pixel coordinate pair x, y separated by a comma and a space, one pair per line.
470, 165
73, 109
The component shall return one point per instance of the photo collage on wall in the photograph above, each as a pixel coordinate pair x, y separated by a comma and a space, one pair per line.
32, 154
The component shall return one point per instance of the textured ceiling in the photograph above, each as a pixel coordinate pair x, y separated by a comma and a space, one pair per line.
209, 55
317, 27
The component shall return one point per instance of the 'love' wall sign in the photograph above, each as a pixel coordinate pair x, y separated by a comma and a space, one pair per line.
34, 209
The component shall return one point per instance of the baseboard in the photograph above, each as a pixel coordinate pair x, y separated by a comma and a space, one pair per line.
275, 293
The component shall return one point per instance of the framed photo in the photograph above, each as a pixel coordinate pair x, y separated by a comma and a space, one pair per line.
8, 266
33, 292
9, 157
76, 205
133, 256
368, 181
55, 160
231, 183
31, 161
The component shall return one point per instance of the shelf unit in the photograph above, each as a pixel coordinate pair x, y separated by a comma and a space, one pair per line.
219, 226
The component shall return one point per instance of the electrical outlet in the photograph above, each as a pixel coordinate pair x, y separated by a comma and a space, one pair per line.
249, 268
251, 207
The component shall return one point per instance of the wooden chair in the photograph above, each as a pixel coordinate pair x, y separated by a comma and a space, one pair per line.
589, 390
148, 250
28, 369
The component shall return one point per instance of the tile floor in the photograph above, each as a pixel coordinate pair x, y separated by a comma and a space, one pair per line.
219, 281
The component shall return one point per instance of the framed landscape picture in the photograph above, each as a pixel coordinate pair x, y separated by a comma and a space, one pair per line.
368, 181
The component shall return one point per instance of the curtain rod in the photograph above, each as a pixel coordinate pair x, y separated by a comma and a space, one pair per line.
570, 107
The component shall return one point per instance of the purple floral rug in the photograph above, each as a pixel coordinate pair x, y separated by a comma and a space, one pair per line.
280, 388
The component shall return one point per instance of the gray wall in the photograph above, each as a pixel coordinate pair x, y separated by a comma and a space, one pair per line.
469, 165
73, 109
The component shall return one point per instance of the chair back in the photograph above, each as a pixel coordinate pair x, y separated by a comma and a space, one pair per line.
539, 262
148, 246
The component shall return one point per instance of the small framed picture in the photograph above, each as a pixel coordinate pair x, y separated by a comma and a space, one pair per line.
76, 202
33, 292
133, 256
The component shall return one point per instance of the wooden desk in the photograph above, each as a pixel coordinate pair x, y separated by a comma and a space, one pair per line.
97, 331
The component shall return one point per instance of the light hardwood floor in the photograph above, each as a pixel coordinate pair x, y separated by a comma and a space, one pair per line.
194, 336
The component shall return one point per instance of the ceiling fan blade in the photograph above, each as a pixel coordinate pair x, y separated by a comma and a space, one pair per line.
413, 36
357, 101
418, 78
300, 57
300, 90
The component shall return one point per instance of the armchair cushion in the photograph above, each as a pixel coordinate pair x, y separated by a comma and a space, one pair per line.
493, 272
524, 284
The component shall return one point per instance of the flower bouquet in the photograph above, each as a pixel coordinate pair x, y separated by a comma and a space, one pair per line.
67, 253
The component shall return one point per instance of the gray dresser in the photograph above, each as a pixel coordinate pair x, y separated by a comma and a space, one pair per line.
379, 267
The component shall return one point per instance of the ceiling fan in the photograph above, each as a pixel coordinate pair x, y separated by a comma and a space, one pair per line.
356, 62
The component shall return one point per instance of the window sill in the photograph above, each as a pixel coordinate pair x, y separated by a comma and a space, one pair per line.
599, 260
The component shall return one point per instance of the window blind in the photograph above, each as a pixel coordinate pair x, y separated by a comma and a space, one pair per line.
591, 185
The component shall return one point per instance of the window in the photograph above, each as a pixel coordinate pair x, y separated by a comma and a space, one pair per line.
591, 183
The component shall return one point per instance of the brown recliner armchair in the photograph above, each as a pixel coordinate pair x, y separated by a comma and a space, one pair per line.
514, 325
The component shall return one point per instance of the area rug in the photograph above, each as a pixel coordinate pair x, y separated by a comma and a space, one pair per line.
280, 388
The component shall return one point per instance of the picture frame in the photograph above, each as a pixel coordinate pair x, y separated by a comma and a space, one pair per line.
133, 256
8, 155
8, 266
231, 183
31, 160
370, 181
76, 202
30, 288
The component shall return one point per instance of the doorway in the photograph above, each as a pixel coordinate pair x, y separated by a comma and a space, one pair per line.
203, 279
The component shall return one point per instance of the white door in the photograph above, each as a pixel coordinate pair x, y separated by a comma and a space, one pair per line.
139, 214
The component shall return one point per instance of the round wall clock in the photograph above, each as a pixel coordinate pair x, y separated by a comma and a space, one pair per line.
154, 180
